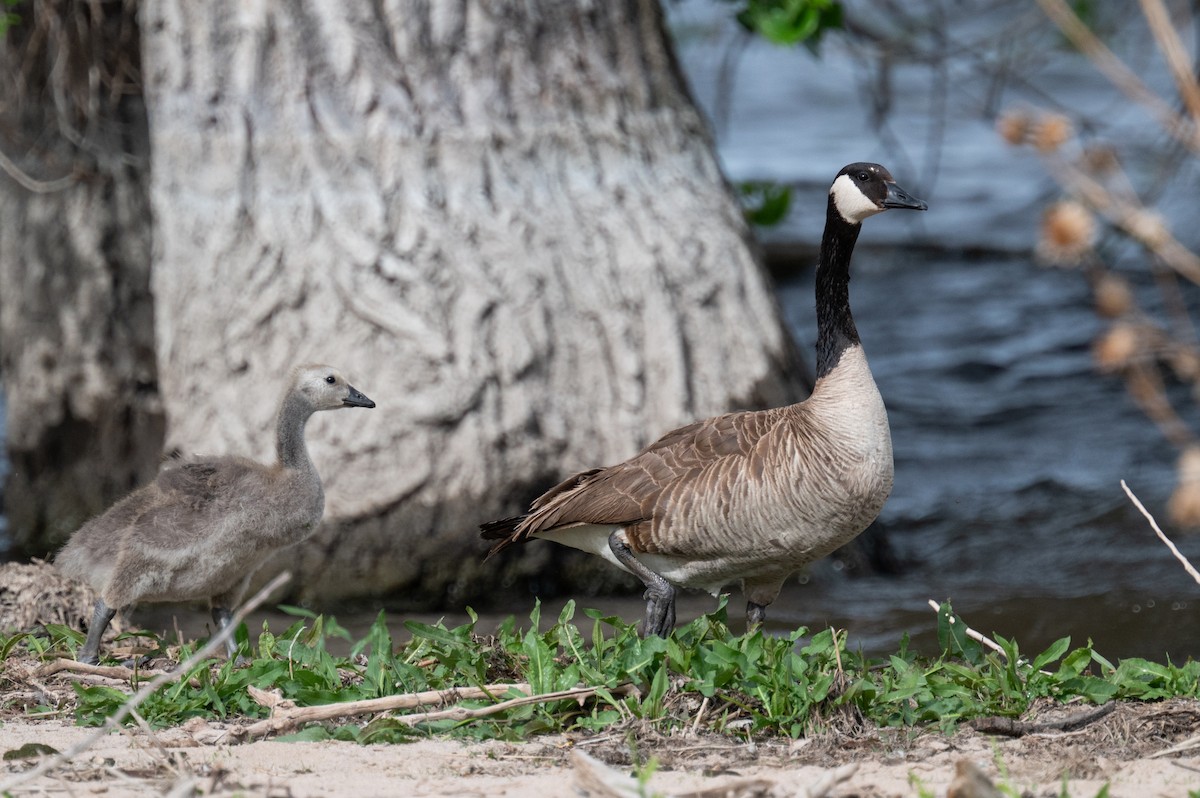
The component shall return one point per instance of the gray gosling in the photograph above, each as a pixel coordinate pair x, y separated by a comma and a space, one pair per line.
746, 497
203, 527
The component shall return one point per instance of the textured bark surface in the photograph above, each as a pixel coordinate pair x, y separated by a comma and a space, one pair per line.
76, 322
504, 221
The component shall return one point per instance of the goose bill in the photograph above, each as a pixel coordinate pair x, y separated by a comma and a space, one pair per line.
899, 198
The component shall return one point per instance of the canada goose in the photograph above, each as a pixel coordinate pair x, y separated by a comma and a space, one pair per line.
203, 527
748, 496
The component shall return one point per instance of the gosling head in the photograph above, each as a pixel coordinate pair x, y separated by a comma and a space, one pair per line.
326, 389
865, 189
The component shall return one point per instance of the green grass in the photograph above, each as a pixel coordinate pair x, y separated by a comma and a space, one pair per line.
754, 684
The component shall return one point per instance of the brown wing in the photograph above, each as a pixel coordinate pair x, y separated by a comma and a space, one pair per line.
629, 493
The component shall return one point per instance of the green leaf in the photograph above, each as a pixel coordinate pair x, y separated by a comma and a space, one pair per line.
765, 204
29, 751
1052, 654
309, 734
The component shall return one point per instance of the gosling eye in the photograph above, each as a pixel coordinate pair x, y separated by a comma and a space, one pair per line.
330, 379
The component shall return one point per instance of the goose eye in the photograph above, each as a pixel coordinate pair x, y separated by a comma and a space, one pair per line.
330, 379
863, 176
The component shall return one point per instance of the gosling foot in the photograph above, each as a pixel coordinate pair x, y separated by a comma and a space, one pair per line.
102, 616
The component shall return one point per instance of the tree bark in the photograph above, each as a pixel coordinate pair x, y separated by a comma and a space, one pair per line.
76, 321
503, 220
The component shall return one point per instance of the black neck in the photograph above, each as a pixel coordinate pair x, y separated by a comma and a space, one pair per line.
835, 326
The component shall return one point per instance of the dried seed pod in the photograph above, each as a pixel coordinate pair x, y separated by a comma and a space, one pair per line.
1185, 362
1014, 127
1183, 509
1051, 132
1068, 232
1116, 347
1113, 295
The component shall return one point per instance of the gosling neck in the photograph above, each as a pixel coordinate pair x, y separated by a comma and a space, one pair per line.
289, 432
835, 325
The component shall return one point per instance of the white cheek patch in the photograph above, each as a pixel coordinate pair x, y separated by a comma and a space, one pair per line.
852, 204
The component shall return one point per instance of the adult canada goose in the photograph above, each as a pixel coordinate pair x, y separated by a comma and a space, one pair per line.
751, 496
203, 527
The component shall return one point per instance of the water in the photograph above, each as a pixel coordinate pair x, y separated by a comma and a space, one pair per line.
1009, 453
1009, 447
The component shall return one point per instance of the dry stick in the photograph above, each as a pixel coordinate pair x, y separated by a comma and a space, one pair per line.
993, 645
463, 713
1174, 53
1194, 741
215, 642
1127, 214
700, 715
1115, 70
1145, 386
286, 718
32, 184
111, 671
1154, 525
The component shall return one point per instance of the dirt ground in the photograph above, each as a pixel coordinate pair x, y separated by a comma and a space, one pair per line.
200, 759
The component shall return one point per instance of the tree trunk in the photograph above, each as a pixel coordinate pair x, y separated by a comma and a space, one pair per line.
76, 321
503, 220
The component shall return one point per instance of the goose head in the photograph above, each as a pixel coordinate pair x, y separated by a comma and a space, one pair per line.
865, 189
324, 388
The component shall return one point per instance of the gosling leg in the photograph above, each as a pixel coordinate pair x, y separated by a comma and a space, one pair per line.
101, 617
221, 617
756, 615
659, 595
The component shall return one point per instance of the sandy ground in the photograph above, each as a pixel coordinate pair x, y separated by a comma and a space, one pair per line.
1137, 749
200, 760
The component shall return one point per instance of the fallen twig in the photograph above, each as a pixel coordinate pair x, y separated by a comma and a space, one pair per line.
114, 720
465, 713
1154, 525
1011, 727
110, 671
286, 716
596, 778
1190, 744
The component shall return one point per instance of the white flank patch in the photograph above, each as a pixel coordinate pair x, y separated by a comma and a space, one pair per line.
852, 204
679, 571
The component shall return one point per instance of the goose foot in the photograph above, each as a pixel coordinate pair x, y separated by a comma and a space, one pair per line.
102, 616
660, 610
659, 595
756, 615
137, 662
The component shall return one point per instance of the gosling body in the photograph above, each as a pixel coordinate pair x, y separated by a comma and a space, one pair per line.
203, 527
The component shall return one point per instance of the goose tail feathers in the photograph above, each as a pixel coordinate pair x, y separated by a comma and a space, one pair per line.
503, 531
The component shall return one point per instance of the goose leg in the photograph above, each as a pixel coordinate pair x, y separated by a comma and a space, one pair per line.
659, 595
756, 615
221, 617
101, 617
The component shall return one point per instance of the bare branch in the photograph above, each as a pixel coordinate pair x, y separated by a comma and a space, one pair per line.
971, 633
1161, 536
1174, 53
285, 718
1121, 76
